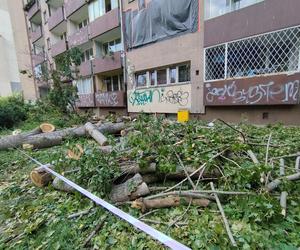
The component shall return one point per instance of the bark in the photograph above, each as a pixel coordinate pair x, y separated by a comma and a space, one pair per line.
97, 135
62, 186
175, 201
40, 177
283, 199
56, 137
129, 190
274, 184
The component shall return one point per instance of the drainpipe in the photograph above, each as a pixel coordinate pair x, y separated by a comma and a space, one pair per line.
123, 53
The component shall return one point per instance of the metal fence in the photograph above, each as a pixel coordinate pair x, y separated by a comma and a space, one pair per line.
268, 53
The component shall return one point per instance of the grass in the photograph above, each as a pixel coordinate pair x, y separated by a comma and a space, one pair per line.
37, 218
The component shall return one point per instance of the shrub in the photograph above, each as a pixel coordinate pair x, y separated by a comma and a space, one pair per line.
12, 111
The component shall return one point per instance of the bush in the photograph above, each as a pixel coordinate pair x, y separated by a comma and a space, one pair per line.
12, 111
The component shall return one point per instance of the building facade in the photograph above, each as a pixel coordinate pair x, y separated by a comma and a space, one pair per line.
14, 52
233, 59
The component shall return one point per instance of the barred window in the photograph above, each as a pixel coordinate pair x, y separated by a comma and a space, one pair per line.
274, 52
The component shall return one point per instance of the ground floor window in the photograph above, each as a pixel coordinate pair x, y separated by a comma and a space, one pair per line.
85, 86
114, 83
274, 52
180, 73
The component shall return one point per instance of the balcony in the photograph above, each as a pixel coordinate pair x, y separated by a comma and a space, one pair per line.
73, 5
56, 18
86, 100
38, 59
58, 48
33, 9
85, 69
114, 99
36, 35
108, 63
104, 23
78, 38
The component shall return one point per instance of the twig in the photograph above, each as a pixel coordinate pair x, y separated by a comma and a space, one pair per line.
182, 194
264, 145
222, 192
282, 167
79, 214
242, 134
268, 148
287, 156
150, 212
274, 184
96, 230
185, 171
232, 161
253, 156
223, 216
180, 217
161, 222
283, 201
196, 171
297, 165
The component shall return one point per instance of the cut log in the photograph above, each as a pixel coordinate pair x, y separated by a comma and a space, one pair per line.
40, 177
283, 199
98, 136
58, 184
134, 169
129, 190
167, 202
56, 137
106, 149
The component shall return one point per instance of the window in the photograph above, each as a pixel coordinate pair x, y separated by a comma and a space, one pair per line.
85, 86
214, 8
112, 46
173, 74
83, 24
184, 73
87, 55
170, 75
63, 36
161, 76
98, 8
274, 52
153, 78
114, 83
141, 79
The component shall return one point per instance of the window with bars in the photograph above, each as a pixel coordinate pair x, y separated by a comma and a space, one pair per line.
270, 53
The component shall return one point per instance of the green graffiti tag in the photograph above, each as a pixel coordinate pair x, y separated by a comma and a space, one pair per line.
141, 98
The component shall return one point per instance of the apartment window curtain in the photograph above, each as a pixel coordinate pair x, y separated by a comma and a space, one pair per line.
85, 86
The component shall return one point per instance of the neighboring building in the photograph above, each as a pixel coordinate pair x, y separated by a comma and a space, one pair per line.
92, 26
233, 59
14, 52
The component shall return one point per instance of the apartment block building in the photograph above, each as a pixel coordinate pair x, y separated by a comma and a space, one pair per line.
233, 59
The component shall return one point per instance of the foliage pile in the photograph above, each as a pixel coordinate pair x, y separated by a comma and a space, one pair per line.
255, 220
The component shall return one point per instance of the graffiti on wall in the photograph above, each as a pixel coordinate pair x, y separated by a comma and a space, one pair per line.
110, 99
235, 93
85, 100
149, 96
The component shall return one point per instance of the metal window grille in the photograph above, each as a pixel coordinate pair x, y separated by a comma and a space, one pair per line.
269, 53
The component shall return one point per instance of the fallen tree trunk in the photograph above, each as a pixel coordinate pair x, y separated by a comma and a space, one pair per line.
55, 138
96, 134
40, 177
175, 201
129, 190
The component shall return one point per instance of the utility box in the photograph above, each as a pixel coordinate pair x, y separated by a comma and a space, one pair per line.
183, 116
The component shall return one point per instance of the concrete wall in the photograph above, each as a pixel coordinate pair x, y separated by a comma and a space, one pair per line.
184, 48
22, 48
8, 59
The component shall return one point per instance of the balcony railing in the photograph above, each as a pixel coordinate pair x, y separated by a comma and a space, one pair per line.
104, 23
86, 100
56, 18
108, 63
80, 37
85, 69
58, 48
73, 5
37, 34
33, 8
110, 99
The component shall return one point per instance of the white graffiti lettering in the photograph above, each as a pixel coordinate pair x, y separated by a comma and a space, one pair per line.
107, 99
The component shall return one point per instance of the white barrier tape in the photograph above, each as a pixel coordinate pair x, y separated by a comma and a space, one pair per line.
164, 239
